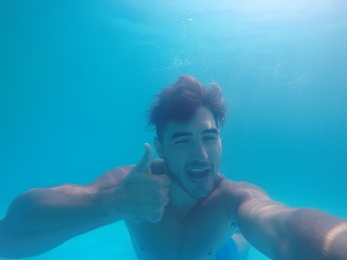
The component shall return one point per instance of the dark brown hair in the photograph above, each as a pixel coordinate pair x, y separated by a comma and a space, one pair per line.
180, 101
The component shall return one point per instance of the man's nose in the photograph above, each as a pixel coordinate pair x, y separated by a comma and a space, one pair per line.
199, 152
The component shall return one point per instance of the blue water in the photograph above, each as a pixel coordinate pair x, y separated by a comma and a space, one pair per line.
77, 76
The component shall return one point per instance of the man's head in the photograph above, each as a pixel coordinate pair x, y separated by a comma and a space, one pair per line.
180, 101
187, 117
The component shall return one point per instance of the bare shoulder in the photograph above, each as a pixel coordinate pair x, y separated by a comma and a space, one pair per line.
228, 185
112, 177
236, 194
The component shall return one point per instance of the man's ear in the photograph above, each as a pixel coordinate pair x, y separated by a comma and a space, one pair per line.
158, 148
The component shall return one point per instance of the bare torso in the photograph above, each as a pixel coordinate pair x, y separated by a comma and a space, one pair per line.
197, 234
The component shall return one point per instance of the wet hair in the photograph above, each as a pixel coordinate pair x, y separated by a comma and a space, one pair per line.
180, 101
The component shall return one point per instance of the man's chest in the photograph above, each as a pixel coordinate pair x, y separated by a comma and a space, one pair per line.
198, 235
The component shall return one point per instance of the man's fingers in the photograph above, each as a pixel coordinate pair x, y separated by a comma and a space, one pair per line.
146, 160
163, 180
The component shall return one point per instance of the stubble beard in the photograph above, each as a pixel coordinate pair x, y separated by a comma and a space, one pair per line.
180, 183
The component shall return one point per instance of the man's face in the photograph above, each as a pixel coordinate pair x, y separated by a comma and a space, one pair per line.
192, 152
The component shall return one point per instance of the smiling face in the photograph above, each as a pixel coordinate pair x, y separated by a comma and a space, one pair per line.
192, 152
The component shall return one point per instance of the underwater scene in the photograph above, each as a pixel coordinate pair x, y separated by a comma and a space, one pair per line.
77, 77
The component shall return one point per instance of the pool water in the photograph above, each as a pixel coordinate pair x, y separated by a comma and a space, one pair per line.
76, 78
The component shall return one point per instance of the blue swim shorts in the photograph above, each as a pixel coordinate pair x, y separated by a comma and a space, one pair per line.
228, 251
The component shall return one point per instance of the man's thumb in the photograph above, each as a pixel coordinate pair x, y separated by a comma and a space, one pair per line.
146, 160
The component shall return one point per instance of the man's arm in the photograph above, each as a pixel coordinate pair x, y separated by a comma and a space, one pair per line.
41, 219
282, 233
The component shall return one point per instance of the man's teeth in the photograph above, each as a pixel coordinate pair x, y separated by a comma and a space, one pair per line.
197, 172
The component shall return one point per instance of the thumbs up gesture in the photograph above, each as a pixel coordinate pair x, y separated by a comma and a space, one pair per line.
144, 194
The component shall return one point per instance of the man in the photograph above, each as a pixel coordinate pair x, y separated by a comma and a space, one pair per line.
176, 207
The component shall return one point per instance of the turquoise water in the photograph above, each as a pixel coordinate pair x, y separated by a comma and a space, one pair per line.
77, 76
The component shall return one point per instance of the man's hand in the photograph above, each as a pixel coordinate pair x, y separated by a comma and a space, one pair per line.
144, 194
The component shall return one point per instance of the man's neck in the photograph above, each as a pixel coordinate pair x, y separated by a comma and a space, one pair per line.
180, 201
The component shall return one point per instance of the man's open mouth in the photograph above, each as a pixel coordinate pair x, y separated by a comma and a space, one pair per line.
198, 175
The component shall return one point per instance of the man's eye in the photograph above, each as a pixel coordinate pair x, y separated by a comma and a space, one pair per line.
210, 137
181, 141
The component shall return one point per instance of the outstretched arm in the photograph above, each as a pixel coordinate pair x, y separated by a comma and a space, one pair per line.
285, 233
41, 219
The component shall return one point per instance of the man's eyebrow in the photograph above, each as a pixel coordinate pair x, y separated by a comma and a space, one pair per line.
179, 134
184, 134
